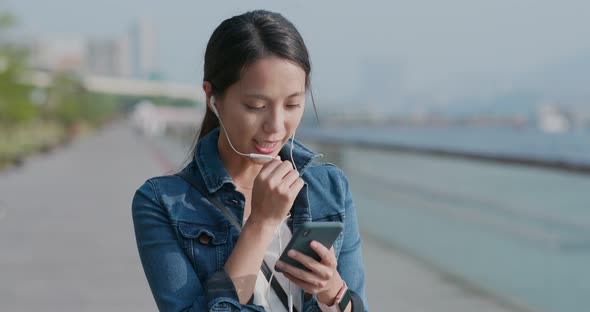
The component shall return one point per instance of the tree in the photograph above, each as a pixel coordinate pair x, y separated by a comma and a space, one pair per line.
15, 103
66, 97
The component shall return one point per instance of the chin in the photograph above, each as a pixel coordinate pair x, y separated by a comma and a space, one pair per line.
259, 161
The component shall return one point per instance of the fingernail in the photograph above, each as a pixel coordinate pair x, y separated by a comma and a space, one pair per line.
291, 253
280, 264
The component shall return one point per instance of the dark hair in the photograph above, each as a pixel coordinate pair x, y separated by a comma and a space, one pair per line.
240, 41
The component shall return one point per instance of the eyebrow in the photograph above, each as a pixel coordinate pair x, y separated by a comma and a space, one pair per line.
264, 97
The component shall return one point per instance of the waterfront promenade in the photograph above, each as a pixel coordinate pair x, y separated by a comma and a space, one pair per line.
67, 242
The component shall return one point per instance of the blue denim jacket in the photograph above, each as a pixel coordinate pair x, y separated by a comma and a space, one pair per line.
184, 240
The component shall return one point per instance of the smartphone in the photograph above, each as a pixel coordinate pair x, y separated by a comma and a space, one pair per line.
323, 232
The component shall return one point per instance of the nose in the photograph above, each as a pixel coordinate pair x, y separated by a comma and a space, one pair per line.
274, 121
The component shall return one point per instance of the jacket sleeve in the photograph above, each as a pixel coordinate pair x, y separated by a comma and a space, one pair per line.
171, 276
353, 270
351, 253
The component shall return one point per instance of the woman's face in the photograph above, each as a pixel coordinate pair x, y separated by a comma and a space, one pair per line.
262, 110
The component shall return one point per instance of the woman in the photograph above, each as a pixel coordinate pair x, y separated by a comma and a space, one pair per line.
256, 74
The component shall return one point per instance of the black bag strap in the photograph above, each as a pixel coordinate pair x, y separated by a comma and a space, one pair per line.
276, 286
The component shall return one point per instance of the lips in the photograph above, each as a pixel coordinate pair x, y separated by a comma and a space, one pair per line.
266, 147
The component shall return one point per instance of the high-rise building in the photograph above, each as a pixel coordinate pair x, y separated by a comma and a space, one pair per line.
143, 48
108, 57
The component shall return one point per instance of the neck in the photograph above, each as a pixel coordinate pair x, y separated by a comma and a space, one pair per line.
240, 168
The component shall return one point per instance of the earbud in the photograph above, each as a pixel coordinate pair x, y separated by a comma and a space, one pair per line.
213, 108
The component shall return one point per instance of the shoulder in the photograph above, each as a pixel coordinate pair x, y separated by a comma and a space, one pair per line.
167, 184
328, 177
324, 170
156, 191
174, 197
155, 185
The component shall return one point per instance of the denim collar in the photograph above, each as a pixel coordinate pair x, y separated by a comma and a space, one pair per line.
214, 173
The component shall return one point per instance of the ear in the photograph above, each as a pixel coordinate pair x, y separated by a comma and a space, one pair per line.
209, 99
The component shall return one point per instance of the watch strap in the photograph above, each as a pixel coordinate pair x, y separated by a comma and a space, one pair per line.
343, 298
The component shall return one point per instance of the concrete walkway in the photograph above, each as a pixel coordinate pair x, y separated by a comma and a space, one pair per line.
67, 242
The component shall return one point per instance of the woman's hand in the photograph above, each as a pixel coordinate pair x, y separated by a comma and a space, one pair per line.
274, 191
324, 280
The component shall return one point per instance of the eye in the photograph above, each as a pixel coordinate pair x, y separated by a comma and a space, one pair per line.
294, 105
252, 107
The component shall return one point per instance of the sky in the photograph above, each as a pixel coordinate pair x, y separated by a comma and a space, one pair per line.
427, 49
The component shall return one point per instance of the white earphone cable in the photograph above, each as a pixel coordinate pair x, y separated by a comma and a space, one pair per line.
291, 151
227, 136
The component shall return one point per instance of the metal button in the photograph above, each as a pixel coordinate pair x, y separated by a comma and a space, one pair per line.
204, 238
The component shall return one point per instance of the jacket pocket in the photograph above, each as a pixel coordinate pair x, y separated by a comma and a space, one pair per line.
205, 245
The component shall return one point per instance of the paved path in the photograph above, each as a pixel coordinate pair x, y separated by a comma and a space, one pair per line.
67, 243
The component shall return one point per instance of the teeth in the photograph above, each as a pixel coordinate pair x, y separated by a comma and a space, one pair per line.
266, 145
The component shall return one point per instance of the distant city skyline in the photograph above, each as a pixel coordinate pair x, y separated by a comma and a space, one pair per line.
131, 53
445, 52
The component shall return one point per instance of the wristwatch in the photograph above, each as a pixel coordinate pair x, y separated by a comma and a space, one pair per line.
340, 303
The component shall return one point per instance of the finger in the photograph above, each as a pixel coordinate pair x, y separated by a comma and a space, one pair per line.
279, 172
268, 168
307, 287
289, 179
328, 257
310, 263
297, 185
308, 277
